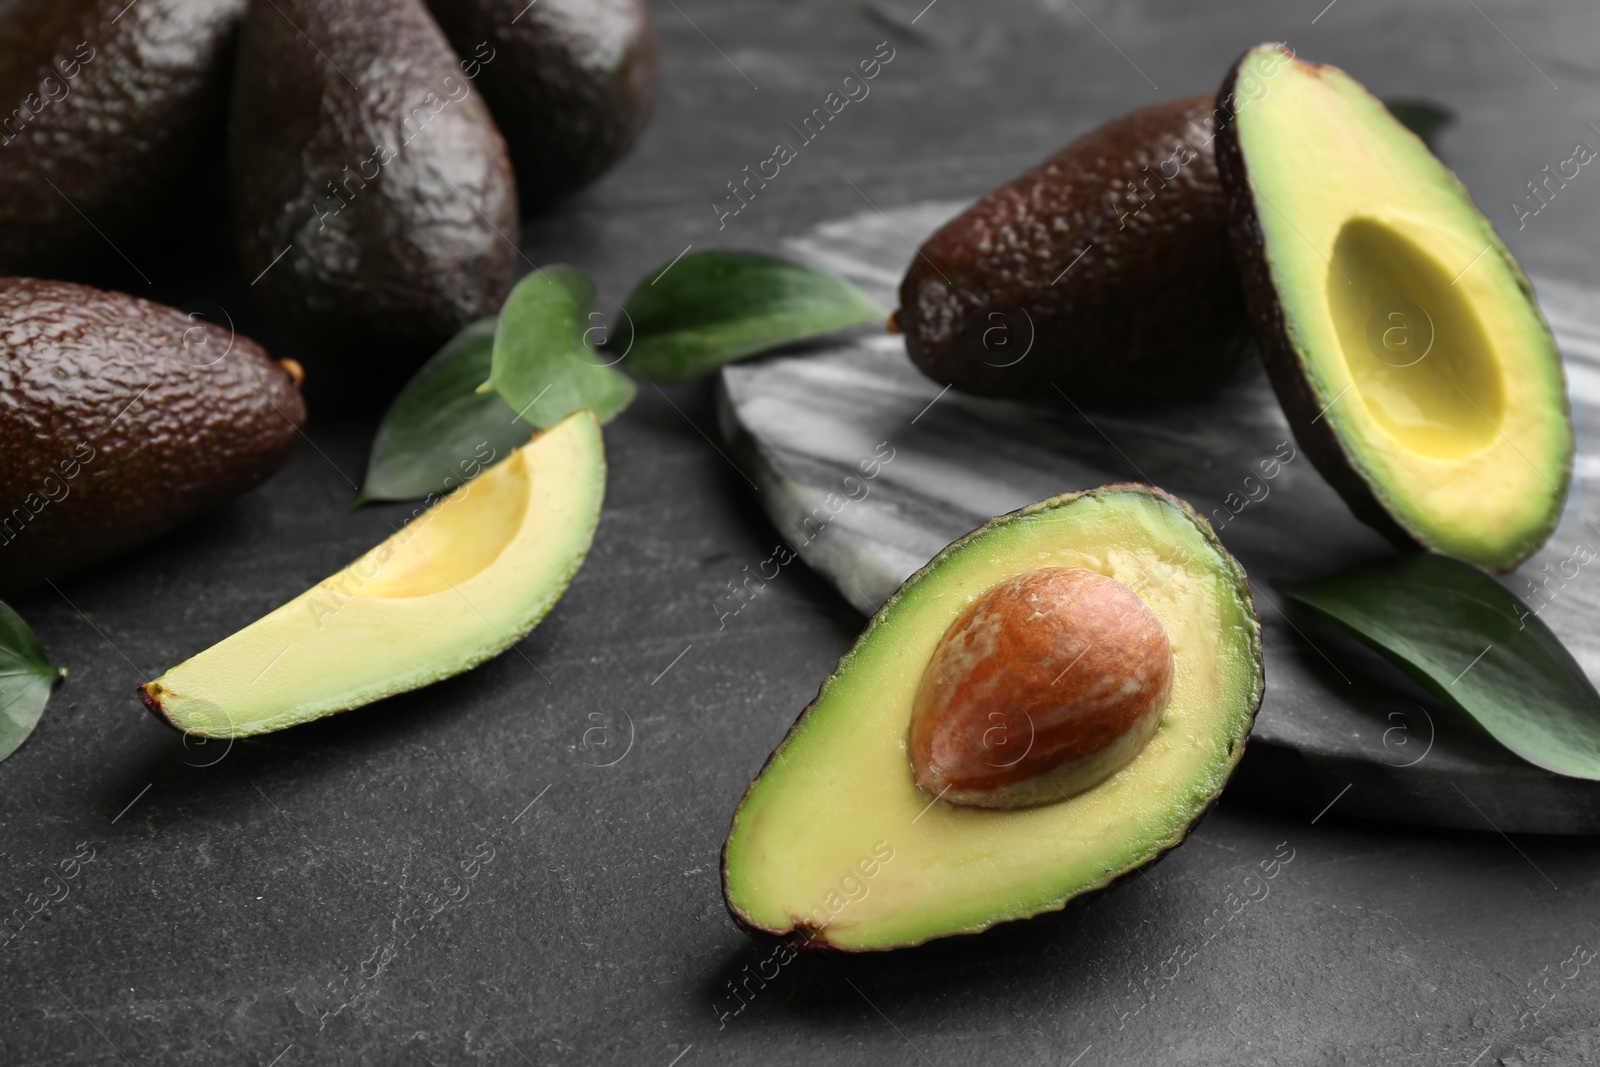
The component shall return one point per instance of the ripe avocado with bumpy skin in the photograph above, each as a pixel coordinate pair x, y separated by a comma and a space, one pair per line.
463, 582
124, 419
372, 196
571, 82
1400, 336
1104, 272
106, 108
1046, 707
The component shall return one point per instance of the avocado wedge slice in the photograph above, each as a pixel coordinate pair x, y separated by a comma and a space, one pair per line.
1401, 337
835, 846
460, 584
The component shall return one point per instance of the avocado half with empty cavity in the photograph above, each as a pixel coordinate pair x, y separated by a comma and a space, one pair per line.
1401, 337
1071, 685
461, 583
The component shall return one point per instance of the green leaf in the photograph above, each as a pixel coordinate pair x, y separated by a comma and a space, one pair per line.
715, 307
545, 363
26, 679
1422, 117
440, 430
1465, 637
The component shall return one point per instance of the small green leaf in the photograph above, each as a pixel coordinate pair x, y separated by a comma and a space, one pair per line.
26, 679
715, 307
545, 363
440, 430
1465, 637
1422, 117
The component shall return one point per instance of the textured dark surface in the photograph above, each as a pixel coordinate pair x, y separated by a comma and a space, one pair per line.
571, 82
360, 154
110, 103
1048, 282
596, 934
121, 419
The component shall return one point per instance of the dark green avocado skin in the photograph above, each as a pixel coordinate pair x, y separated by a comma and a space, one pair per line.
571, 82
121, 419
1151, 311
104, 110
361, 154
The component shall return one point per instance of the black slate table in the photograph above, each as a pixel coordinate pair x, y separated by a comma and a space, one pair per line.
285, 900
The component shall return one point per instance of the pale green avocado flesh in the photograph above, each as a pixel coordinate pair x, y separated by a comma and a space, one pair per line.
834, 846
1405, 317
459, 584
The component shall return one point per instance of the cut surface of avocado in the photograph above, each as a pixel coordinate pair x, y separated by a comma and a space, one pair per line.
835, 846
1399, 333
458, 585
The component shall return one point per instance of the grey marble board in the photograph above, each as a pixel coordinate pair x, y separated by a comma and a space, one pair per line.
1337, 723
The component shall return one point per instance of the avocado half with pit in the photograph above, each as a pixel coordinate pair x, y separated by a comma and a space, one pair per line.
1400, 336
1047, 706
460, 584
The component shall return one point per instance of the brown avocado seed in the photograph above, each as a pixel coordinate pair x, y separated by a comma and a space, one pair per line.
1044, 687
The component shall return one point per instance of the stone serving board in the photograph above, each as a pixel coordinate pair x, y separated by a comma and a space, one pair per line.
1338, 725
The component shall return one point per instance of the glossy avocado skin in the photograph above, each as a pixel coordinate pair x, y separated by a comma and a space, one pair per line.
571, 82
122, 420
102, 117
1151, 311
370, 166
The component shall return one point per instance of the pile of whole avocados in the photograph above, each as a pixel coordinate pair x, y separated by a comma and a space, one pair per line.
379, 155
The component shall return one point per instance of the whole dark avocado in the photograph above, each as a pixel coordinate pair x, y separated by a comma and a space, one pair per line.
571, 82
372, 196
104, 108
1104, 273
122, 420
